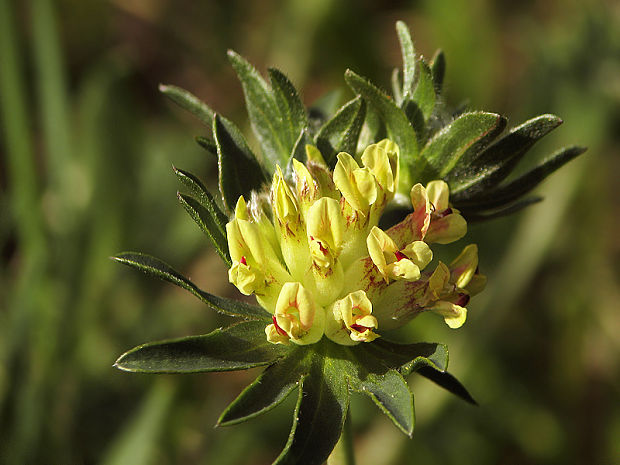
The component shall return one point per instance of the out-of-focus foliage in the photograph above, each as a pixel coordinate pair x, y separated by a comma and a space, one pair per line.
87, 145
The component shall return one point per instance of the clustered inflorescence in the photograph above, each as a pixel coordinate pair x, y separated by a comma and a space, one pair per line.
313, 255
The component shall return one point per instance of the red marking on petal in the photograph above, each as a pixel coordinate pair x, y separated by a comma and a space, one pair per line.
278, 329
359, 328
243, 261
399, 255
462, 300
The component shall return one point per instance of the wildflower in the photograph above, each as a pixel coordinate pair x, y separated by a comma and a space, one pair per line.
322, 266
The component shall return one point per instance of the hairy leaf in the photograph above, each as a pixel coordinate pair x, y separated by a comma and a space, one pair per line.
438, 70
496, 162
446, 148
267, 391
239, 172
264, 113
448, 382
424, 93
409, 59
319, 415
398, 128
523, 184
155, 267
207, 224
189, 102
292, 110
205, 198
341, 133
238, 347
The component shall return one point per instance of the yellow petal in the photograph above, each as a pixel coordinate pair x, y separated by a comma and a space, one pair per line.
325, 229
454, 315
376, 159
448, 229
438, 194
297, 314
419, 253
463, 267
284, 203
358, 185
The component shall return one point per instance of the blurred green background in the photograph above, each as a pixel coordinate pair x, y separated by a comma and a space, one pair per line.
86, 149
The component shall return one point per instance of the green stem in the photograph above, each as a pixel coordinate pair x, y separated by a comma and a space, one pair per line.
343, 453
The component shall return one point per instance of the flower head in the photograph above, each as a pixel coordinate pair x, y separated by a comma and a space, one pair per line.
322, 266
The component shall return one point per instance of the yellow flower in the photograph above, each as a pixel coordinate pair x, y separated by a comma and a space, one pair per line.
317, 260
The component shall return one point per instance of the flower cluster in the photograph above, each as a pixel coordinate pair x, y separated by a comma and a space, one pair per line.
313, 255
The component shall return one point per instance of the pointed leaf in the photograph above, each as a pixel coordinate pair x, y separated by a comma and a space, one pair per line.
475, 216
409, 60
424, 93
319, 416
207, 144
291, 108
267, 391
396, 122
520, 186
341, 133
323, 109
397, 86
207, 224
496, 162
205, 198
263, 111
155, 267
299, 151
448, 382
239, 172
416, 119
189, 102
438, 70
392, 395
446, 148
238, 347
408, 358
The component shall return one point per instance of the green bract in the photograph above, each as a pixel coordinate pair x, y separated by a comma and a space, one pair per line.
336, 247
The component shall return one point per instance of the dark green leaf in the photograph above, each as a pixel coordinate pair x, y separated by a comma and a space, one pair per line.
263, 111
267, 391
238, 347
397, 86
446, 148
438, 70
205, 198
398, 128
323, 109
239, 172
299, 150
448, 382
189, 102
155, 267
392, 395
476, 216
416, 119
408, 358
409, 60
207, 224
496, 162
319, 415
341, 133
424, 93
207, 144
520, 186
292, 110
